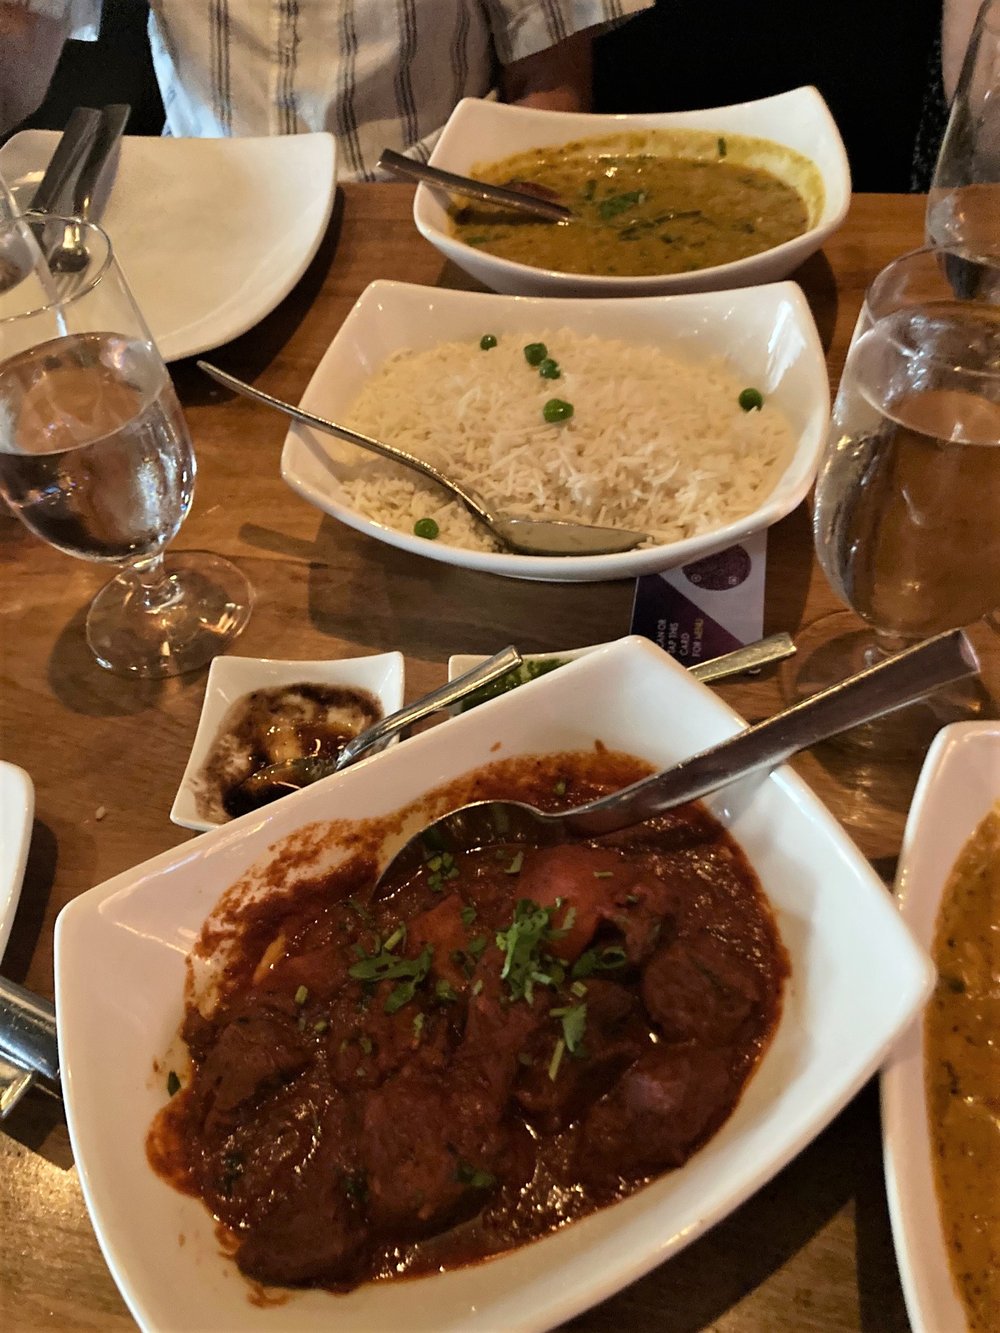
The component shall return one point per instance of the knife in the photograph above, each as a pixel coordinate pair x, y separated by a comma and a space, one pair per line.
55, 190
89, 196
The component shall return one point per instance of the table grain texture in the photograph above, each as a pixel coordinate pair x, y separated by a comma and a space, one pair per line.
812, 1250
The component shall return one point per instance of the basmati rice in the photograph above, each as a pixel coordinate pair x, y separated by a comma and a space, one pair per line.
654, 443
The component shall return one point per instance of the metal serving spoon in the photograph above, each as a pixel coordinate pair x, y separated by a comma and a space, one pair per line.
525, 536
891, 684
469, 188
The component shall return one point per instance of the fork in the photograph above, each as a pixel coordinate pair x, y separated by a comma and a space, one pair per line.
70, 257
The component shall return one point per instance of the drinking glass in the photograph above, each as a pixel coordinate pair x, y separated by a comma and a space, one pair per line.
963, 206
907, 506
95, 457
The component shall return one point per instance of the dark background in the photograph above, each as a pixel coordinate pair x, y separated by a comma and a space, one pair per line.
875, 61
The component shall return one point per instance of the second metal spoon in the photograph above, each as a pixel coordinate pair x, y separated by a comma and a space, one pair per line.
469, 188
525, 536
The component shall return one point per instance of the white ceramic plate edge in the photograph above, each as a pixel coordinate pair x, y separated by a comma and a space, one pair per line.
948, 804
17, 811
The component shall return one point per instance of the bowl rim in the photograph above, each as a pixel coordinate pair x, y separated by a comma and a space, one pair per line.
836, 188
936, 817
790, 488
618, 1266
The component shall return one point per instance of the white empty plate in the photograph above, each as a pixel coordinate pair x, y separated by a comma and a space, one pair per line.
17, 810
210, 233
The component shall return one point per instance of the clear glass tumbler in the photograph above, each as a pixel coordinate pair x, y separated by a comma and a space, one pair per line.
95, 456
963, 206
907, 507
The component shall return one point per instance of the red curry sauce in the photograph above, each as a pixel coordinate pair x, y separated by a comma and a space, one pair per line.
512, 1038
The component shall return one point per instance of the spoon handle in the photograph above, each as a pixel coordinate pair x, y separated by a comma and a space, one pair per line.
28, 1030
471, 501
376, 736
469, 188
899, 680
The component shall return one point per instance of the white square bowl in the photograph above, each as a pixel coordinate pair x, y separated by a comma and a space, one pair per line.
959, 785
479, 131
856, 980
232, 678
766, 336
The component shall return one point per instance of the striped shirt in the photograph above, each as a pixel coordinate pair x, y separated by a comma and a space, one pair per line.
375, 73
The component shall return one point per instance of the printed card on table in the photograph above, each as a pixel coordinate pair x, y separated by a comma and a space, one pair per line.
711, 606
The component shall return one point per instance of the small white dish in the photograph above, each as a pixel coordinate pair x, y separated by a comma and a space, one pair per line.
482, 131
232, 678
17, 810
210, 233
959, 785
766, 336
857, 978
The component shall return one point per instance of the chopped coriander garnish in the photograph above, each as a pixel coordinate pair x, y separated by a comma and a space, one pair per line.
468, 915
560, 787
604, 874
631, 899
474, 1176
397, 937
321, 1025
556, 1060
477, 985
574, 1022
385, 966
173, 1084
418, 1024
579, 989
476, 946
515, 866
301, 995
445, 992
607, 959
527, 959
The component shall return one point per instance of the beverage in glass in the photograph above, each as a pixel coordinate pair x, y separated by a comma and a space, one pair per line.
95, 456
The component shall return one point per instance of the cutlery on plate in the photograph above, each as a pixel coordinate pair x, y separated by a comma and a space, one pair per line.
89, 196
55, 189
469, 188
899, 680
524, 536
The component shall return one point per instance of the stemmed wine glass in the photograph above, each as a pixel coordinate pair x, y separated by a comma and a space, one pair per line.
907, 507
95, 456
963, 205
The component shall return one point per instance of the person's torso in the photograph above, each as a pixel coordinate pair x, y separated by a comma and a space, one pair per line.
375, 73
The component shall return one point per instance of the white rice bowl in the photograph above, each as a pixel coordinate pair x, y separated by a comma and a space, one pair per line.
657, 438
655, 442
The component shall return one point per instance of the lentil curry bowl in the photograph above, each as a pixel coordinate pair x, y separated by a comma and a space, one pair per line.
658, 202
492, 1046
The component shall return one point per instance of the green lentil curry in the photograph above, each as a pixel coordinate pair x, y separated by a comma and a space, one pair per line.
653, 203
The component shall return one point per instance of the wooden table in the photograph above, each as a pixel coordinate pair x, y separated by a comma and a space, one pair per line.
813, 1249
